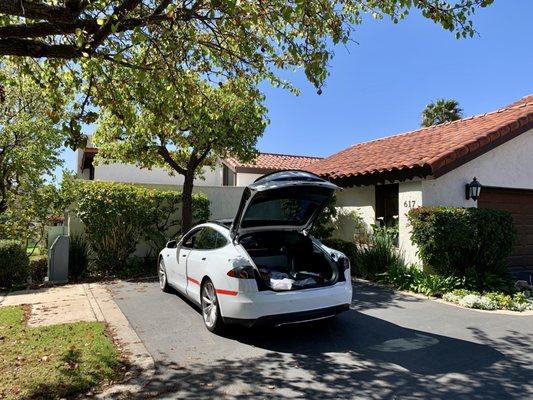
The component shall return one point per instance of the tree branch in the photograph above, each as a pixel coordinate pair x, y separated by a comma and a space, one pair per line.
37, 49
163, 152
33, 10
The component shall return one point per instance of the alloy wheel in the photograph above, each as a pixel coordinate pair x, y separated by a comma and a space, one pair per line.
162, 275
209, 304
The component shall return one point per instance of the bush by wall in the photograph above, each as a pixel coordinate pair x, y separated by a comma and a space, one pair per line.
38, 268
78, 256
117, 216
14, 264
464, 242
380, 254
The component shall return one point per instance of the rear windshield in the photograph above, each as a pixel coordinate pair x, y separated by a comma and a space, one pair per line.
286, 206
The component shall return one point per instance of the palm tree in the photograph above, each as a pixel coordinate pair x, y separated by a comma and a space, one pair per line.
441, 111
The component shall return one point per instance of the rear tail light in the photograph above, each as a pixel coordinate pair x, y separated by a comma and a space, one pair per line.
246, 272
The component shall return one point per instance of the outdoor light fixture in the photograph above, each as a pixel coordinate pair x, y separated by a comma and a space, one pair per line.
472, 189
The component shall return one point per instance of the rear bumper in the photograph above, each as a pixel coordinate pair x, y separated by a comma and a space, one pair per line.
289, 318
265, 304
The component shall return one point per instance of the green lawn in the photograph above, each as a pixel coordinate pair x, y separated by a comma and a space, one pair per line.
53, 361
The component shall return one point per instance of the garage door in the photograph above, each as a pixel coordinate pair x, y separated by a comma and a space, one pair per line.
520, 204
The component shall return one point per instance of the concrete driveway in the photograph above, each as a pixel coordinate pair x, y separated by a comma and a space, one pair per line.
388, 346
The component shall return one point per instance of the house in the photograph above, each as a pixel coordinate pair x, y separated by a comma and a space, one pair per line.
228, 172
222, 183
385, 178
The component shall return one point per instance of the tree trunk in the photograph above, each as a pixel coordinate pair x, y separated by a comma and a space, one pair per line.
186, 205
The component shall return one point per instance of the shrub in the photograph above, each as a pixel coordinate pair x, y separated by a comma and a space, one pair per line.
117, 216
490, 301
414, 279
38, 268
324, 226
78, 256
466, 242
380, 255
14, 265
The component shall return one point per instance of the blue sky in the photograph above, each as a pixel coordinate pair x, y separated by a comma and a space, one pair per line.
379, 86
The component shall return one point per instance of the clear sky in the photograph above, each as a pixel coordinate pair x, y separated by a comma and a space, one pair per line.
379, 85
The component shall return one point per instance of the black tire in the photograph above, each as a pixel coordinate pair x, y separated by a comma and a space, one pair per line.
162, 275
211, 308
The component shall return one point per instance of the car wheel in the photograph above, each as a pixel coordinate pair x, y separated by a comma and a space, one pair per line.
211, 308
162, 274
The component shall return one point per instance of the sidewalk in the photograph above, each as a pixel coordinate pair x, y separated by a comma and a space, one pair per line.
88, 302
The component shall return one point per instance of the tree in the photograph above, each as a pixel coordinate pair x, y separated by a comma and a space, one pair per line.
215, 38
178, 121
441, 111
29, 140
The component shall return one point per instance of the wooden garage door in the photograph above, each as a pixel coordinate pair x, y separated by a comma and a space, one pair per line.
520, 204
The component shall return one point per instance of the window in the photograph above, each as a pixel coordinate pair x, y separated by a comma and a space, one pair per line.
209, 239
228, 176
286, 206
190, 240
387, 205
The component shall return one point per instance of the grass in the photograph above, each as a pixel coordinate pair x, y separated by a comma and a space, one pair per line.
56, 361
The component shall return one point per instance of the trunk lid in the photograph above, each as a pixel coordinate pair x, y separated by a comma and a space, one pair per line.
285, 200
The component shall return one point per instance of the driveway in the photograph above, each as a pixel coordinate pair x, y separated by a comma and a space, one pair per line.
388, 346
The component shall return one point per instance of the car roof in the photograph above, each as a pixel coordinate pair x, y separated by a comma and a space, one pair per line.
225, 222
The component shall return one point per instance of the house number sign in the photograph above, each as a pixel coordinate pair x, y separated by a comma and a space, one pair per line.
409, 203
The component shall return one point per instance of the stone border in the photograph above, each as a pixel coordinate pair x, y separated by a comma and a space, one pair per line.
142, 363
527, 313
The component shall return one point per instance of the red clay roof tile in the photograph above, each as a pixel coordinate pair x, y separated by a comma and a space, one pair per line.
435, 149
274, 162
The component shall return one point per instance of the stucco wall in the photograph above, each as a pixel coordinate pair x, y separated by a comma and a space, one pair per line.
244, 179
358, 199
128, 173
509, 165
409, 196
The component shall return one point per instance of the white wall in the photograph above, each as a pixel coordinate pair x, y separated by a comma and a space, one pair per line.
509, 165
128, 173
359, 199
245, 179
409, 196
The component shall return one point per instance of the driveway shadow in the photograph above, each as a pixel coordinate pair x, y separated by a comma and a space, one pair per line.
355, 356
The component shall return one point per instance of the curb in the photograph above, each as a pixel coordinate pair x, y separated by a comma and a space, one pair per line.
142, 364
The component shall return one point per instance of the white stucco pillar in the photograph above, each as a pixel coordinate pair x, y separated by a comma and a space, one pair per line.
409, 196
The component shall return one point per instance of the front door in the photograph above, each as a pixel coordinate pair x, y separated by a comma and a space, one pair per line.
178, 276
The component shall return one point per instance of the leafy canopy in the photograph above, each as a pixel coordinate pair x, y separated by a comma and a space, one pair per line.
219, 39
175, 120
440, 112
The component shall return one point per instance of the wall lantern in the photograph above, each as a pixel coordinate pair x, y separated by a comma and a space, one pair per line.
472, 190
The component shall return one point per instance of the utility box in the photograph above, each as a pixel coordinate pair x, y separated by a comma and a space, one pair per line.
58, 260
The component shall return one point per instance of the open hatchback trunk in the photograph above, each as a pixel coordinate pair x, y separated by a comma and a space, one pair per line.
272, 225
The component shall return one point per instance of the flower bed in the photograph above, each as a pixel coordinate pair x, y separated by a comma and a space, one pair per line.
490, 301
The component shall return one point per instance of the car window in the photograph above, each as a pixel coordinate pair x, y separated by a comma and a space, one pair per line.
190, 240
209, 239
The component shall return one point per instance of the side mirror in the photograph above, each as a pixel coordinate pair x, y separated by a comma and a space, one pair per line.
172, 244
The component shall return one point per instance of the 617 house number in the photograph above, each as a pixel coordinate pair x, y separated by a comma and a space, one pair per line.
409, 203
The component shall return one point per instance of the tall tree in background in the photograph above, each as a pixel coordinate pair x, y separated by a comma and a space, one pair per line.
30, 146
175, 120
219, 39
441, 111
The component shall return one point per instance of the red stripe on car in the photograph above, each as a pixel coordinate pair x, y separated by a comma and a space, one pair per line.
192, 280
228, 292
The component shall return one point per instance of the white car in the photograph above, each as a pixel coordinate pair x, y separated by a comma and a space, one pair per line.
263, 266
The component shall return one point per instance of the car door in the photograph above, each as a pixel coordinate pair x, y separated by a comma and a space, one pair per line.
178, 275
200, 258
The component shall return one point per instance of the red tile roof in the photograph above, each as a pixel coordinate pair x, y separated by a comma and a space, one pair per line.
273, 162
427, 151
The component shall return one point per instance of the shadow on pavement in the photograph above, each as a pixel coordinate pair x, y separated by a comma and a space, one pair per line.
355, 356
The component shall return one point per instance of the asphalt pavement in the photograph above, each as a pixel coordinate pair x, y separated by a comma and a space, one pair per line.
388, 346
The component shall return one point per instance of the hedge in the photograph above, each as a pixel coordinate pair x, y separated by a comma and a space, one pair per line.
466, 242
117, 216
14, 263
